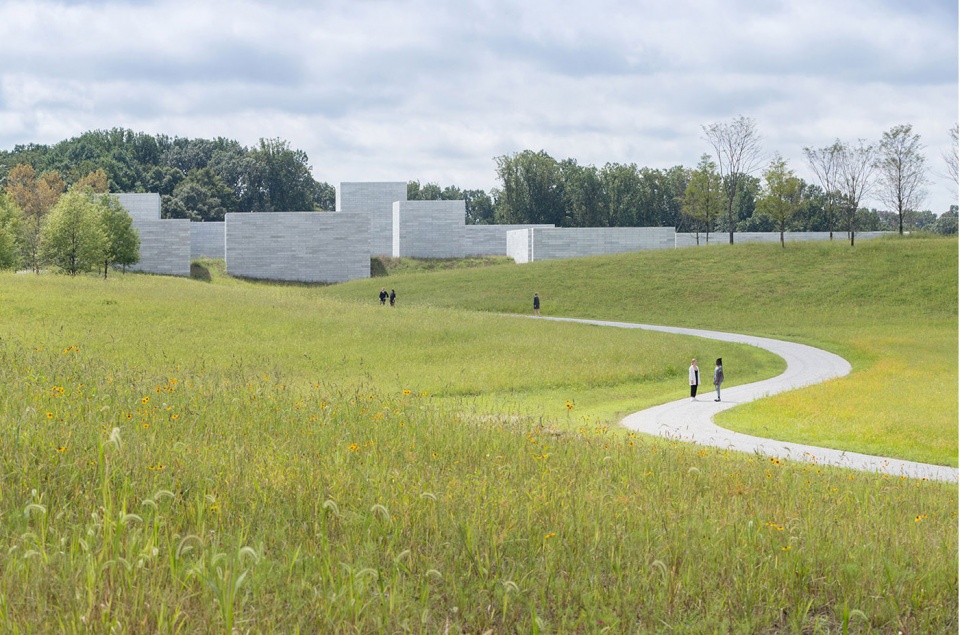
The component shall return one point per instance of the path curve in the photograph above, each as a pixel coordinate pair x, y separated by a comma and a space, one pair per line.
693, 420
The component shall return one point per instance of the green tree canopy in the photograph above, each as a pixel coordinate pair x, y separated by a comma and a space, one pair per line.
73, 237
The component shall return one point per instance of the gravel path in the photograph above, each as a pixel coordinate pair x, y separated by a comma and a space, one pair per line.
693, 420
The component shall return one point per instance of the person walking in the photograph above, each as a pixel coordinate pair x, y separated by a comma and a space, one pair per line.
393, 297
718, 377
383, 296
536, 304
694, 379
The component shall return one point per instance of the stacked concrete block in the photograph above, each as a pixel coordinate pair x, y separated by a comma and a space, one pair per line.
489, 240
207, 240
164, 246
375, 201
575, 242
428, 229
145, 206
298, 246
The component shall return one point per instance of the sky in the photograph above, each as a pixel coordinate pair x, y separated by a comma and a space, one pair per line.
404, 90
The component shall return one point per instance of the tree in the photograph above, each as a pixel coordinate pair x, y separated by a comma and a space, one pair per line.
10, 219
946, 224
622, 185
583, 196
855, 171
780, 197
902, 171
35, 197
199, 197
703, 198
951, 157
95, 180
278, 179
479, 207
122, 239
737, 148
825, 164
73, 237
532, 190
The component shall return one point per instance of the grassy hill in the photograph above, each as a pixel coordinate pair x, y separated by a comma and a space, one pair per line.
888, 306
228, 456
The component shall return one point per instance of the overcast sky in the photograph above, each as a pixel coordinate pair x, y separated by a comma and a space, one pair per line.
394, 91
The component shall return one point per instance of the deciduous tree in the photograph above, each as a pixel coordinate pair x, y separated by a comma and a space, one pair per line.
902, 171
737, 148
856, 167
10, 219
780, 196
35, 197
73, 237
122, 239
703, 199
825, 164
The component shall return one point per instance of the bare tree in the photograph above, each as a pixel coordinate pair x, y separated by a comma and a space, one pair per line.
824, 162
952, 158
856, 167
737, 147
902, 171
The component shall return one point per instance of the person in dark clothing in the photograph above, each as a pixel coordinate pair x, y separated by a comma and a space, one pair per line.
536, 304
393, 297
383, 296
718, 377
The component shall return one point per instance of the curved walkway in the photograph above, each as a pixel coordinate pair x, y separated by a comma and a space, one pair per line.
693, 420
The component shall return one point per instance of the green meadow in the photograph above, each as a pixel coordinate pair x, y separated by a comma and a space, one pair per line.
213, 455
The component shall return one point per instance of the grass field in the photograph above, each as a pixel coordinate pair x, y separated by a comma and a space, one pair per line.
180, 456
888, 306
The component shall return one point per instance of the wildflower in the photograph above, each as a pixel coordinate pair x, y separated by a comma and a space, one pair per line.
787, 548
919, 518
569, 405
146, 425
550, 535
354, 447
406, 392
174, 417
62, 448
145, 400
49, 415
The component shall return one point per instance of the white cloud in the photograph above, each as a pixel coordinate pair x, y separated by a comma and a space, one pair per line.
375, 90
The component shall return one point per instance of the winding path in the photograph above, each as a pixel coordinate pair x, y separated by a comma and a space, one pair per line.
693, 420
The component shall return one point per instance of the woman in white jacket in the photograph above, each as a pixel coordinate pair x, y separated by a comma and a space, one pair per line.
694, 379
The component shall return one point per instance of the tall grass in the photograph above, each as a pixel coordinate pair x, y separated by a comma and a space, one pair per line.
888, 306
225, 500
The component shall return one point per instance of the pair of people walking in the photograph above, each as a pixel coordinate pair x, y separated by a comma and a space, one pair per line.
384, 295
694, 374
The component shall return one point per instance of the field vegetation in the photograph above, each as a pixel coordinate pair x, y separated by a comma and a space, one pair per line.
224, 456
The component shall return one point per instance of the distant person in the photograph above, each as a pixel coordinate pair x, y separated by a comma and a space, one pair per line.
393, 297
383, 296
718, 377
694, 379
536, 305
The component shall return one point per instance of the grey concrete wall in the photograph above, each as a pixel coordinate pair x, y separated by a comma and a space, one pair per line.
690, 240
428, 229
298, 246
164, 246
145, 206
207, 240
489, 240
374, 200
575, 242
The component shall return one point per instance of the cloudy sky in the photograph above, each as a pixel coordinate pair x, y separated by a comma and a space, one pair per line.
418, 89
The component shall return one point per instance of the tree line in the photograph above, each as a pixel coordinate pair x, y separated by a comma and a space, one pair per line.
198, 179
730, 190
42, 223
